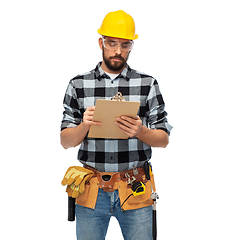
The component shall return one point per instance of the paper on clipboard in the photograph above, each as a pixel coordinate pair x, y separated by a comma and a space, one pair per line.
106, 112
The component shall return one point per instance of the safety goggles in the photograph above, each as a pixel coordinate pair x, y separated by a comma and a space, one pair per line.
113, 45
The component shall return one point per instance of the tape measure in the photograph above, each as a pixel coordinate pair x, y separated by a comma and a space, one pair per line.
138, 188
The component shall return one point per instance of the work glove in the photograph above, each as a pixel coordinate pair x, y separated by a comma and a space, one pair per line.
75, 178
73, 191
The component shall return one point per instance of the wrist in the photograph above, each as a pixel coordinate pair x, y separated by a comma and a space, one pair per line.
85, 127
142, 132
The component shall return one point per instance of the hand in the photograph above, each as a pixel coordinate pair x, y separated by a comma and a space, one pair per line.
130, 126
88, 116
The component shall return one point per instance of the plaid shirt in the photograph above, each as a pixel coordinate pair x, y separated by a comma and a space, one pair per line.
113, 155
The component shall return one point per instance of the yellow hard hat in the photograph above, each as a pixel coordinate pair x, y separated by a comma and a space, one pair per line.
118, 24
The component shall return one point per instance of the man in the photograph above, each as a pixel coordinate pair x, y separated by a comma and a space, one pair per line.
148, 129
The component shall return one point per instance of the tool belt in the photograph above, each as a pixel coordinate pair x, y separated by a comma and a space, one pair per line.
110, 181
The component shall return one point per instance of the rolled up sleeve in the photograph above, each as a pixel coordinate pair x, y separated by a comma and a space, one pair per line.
156, 114
72, 116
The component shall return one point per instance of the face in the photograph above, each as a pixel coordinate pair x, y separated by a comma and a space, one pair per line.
113, 60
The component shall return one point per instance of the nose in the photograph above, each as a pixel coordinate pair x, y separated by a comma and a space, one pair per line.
118, 50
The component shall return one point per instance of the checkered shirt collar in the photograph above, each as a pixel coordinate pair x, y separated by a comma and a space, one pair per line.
99, 73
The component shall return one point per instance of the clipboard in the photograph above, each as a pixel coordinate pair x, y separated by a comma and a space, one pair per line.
106, 112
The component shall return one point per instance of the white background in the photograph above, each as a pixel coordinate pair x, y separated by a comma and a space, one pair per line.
191, 47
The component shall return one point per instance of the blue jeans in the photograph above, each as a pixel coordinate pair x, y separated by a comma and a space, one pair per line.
92, 224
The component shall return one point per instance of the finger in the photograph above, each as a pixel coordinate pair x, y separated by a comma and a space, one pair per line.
124, 127
96, 123
128, 119
126, 130
92, 122
88, 113
137, 118
87, 118
125, 122
91, 108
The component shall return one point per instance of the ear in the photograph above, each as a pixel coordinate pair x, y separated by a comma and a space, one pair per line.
100, 42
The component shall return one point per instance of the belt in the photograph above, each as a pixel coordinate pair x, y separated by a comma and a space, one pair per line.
108, 180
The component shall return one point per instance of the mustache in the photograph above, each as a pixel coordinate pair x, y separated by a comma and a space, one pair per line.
117, 57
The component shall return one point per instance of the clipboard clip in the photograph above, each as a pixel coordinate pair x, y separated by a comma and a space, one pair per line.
118, 97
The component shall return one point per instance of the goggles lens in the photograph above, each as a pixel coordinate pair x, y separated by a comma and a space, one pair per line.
112, 45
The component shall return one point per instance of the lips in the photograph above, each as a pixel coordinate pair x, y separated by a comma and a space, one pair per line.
117, 59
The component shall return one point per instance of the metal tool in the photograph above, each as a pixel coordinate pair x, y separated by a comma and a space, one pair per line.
154, 197
129, 180
135, 171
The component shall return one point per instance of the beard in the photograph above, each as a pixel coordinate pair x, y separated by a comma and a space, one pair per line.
115, 66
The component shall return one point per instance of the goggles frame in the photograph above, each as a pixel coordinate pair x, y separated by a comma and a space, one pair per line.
116, 44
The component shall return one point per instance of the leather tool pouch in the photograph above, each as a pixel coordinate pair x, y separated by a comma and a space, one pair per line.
89, 197
135, 202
